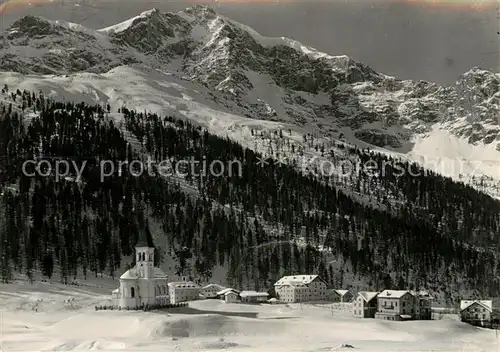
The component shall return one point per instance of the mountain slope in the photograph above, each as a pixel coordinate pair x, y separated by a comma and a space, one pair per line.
273, 79
265, 221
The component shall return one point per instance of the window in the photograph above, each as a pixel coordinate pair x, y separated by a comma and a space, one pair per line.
132, 292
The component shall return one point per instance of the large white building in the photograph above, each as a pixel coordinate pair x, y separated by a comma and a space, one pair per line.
300, 288
144, 284
183, 291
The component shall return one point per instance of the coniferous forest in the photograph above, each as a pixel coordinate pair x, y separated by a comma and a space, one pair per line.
441, 235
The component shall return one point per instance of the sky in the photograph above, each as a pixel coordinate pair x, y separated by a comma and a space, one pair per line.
427, 40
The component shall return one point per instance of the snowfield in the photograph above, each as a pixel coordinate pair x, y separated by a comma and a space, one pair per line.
54, 317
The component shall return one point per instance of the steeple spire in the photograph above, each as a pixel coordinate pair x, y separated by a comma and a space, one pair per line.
143, 240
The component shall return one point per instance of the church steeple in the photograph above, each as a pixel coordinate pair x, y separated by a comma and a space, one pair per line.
144, 250
143, 239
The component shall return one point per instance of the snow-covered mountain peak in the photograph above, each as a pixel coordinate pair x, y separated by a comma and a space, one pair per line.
266, 78
198, 12
122, 26
33, 26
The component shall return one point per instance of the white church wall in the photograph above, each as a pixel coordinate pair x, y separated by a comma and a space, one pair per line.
128, 294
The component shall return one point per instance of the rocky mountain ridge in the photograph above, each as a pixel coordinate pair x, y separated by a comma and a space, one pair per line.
276, 79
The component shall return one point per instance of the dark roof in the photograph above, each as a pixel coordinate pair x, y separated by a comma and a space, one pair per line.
144, 236
142, 240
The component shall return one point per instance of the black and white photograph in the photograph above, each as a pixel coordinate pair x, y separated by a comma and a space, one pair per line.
250, 175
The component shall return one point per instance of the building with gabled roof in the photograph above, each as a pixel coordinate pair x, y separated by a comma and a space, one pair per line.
395, 305
423, 309
210, 290
231, 297
343, 296
253, 296
364, 304
300, 288
476, 312
403, 305
296, 279
183, 291
221, 293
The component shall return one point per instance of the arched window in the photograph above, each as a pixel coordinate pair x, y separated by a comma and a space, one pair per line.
143, 256
138, 257
132, 292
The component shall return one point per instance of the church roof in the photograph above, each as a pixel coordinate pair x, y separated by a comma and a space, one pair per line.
143, 240
144, 237
131, 274
158, 273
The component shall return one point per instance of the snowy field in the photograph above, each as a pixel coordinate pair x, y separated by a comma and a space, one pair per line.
53, 317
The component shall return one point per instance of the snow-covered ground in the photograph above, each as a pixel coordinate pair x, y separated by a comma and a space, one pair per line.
53, 317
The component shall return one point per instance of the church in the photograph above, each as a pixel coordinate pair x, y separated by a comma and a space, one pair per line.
144, 284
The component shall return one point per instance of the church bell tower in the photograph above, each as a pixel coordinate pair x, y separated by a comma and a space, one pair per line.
144, 253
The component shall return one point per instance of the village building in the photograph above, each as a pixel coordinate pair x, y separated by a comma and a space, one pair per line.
222, 293
144, 284
183, 291
342, 296
253, 296
300, 288
395, 305
231, 297
476, 312
210, 290
423, 309
365, 304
